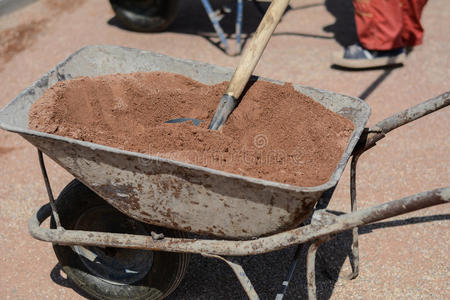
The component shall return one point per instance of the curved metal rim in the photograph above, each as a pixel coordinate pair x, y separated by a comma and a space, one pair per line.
330, 183
124, 266
326, 224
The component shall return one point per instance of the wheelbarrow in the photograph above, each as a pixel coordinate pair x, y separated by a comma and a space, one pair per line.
120, 229
155, 16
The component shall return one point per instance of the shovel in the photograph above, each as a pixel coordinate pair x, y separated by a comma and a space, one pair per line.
245, 67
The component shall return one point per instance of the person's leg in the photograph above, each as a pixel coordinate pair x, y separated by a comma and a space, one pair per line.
379, 23
412, 33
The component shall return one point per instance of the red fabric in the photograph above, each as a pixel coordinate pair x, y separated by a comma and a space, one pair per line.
388, 24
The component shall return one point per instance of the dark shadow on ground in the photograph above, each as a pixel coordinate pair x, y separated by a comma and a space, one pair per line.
208, 278
344, 28
192, 19
307, 35
376, 83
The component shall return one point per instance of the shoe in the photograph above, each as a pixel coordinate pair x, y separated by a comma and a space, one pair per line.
356, 57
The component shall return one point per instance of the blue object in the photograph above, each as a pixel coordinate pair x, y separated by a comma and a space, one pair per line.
239, 13
181, 120
215, 22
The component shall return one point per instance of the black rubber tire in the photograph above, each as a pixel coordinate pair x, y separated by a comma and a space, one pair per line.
145, 15
167, 269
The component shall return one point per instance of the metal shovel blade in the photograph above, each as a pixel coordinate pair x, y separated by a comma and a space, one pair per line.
246, 65
182, 120
224, 109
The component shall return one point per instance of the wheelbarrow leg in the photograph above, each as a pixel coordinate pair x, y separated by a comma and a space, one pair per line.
321, 205
49, 190
240, 274
311, 268
355, 245
215, 23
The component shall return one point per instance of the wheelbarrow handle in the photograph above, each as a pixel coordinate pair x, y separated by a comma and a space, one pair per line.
324, 224
377, 132
414, 113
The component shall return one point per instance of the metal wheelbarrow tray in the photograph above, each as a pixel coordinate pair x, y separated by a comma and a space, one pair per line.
170, 193
256, 216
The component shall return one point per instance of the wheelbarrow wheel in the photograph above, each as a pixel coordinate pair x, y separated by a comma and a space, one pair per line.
114, 273
145, 15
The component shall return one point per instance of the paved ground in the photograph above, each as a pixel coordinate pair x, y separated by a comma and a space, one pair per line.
8, 6
406, 257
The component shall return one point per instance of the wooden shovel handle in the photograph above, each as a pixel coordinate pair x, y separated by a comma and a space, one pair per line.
253, 53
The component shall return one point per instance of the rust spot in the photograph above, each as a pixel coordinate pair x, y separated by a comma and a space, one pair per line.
164, 186
271, 204
122, 196
176, 188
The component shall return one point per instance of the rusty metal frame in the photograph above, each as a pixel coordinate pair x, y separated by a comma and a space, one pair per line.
261, 245
374, 134
368, 140
328, 226
323, 226
49, 190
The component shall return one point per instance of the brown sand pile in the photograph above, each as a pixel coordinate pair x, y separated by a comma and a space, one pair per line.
275, 133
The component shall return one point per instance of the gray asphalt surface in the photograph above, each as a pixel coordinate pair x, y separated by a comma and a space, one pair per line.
8, 6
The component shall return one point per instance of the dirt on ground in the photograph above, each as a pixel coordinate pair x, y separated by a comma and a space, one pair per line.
21, 35
18, 38
275, 133
62, 5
